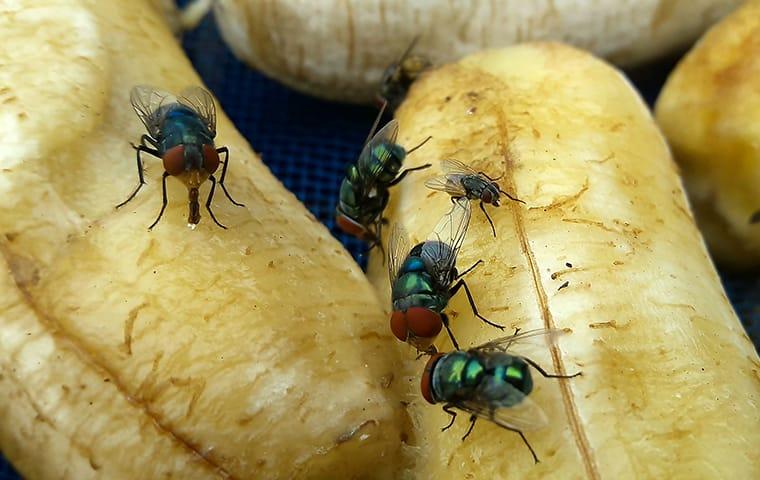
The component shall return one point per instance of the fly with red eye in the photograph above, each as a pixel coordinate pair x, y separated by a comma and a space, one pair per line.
181, 132
424, 279
461, 181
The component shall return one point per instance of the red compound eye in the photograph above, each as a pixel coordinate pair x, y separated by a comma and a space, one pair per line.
174, 160
210, 159
426, 383
398, 325
423, 322
350, 226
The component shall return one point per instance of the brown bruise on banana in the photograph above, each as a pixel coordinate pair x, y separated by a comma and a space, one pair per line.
517, 128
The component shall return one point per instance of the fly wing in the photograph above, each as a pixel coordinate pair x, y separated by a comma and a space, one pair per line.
524, 416
147, 102
386, 134
397, 251
521, 338
451, 166
442, 246
202, 103
448, 183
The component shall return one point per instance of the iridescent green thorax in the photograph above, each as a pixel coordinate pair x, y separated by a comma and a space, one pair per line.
456, 375
415, 287
495, 378
382, 162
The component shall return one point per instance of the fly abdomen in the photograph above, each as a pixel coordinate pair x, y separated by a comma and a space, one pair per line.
349, 196
507, 382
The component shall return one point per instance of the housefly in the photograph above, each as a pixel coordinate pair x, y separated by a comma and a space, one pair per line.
461, 181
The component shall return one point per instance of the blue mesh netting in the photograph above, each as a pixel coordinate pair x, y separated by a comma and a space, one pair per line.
307, 142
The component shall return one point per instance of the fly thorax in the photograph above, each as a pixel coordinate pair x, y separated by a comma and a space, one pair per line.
456, 376
387, 159
474, 186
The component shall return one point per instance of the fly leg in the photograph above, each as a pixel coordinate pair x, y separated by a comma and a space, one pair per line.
448, 409
377, 239
525, 441
141, 148
469, 269
376, 122
445, 320
418, 146
226, 152
208, 201
163, 205
514, 199
473, 418
488, 217
488, 177
404, 173
545, 373
461, 283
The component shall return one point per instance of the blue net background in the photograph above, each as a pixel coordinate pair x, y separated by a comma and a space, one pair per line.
294, 133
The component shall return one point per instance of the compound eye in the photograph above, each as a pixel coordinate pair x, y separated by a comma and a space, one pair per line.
426, 385
487, 197
174, 160
423, 322
210, 159
399, 326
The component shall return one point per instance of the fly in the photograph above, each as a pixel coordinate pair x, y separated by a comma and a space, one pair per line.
364, 192
461, 181
181, 133
400, 75
489, 382
424, 279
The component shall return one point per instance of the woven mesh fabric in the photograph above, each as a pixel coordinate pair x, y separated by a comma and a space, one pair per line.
307, 143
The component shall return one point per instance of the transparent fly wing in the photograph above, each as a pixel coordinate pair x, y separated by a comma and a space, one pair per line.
524, 416
147, 102
387, 134
450, 184
202, 103
522, 338
455, 167
398, 250
442, 246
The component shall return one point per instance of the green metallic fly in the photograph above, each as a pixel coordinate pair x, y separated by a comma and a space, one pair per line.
181, 132
488, 382
364, 192
424, 279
